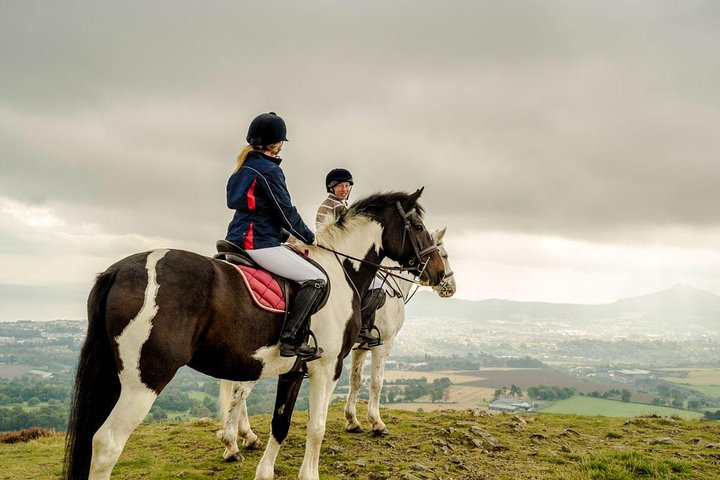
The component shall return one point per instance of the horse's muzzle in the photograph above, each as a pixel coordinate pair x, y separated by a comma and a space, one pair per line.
434, 271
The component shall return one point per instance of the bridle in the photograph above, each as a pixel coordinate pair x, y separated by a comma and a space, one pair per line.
419, 254
397, 291
444, 284
415, 265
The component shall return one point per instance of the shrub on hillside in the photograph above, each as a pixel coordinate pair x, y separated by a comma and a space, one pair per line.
24, 435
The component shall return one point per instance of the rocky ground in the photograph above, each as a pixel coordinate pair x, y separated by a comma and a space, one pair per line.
448, 445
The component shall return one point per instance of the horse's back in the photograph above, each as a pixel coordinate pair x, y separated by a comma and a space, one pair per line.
175, 280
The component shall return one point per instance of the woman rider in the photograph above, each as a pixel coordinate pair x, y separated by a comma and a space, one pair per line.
339, 183
265, 217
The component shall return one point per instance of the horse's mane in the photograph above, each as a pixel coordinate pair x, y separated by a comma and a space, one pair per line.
367, 208
373, 204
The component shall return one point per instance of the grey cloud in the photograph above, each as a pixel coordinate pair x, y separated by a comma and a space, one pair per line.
570, 118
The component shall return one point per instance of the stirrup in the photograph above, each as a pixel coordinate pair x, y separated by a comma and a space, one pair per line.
313, 353
307, 354
368, 342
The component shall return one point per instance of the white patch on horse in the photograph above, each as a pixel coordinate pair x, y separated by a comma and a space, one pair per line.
354, 245
273, 363
136, 333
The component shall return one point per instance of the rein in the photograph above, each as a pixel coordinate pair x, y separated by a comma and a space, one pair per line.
382, 268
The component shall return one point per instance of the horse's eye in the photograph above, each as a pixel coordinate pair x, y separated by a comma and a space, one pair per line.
419, 228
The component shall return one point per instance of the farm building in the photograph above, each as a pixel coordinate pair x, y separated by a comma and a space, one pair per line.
512, 405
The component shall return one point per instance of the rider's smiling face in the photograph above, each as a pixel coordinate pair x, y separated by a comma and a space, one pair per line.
342, 190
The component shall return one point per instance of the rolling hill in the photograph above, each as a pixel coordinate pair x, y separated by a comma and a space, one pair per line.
677, 309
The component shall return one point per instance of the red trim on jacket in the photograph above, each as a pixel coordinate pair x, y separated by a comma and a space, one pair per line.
249, 241
251, 196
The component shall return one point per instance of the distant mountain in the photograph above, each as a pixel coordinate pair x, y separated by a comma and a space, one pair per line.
680, 306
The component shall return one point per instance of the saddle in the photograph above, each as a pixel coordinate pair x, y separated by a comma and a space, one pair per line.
269, 291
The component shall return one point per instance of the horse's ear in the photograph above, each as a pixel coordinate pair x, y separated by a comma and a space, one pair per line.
413, 198
438, 235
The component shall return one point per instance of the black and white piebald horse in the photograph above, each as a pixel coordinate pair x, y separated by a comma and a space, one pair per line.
389, 320
151, 313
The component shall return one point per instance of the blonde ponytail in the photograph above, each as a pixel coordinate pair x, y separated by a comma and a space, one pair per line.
243, 155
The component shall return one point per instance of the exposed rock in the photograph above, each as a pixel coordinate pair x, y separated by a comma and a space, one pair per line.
410, 476
335, 449
479, 412
661, 441
480, 431
378, 475
464, 423
519, 419
419, 467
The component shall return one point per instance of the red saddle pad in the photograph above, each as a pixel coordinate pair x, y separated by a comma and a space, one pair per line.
264, 289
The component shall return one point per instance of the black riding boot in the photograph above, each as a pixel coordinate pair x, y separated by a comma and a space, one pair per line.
310, 293
372, 300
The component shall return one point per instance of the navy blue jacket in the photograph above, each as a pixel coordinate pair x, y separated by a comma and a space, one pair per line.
264, 213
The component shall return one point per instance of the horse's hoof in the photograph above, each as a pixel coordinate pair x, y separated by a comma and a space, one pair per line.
381, 433
235, 457
257, 444
355, 429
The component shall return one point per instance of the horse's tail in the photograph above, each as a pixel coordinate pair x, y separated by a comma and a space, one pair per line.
97, 386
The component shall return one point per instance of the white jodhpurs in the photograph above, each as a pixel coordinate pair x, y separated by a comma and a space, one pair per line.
286, 263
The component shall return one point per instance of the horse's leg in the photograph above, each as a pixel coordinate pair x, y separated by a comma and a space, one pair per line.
321, 388
108, 442
285, 397
233, 405
377, 374
352, 424
250, 440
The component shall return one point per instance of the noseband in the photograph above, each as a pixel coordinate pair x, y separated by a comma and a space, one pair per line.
444, 284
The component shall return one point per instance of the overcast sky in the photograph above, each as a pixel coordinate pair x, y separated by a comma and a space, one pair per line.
571, 148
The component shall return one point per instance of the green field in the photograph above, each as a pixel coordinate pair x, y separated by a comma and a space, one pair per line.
579, 405
704, 380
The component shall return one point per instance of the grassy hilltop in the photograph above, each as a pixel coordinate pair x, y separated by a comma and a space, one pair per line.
445, 445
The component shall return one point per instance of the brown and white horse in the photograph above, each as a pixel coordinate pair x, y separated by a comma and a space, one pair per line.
151, 313
389, 320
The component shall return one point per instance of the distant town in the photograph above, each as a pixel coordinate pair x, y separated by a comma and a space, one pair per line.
522, 367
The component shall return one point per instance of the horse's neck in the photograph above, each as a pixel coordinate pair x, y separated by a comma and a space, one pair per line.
359, 238
403, 286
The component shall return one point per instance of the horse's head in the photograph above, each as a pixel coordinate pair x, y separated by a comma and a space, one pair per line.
447, 287
405, 238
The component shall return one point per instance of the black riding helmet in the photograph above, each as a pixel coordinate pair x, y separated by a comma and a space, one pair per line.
266, 129
335, 176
